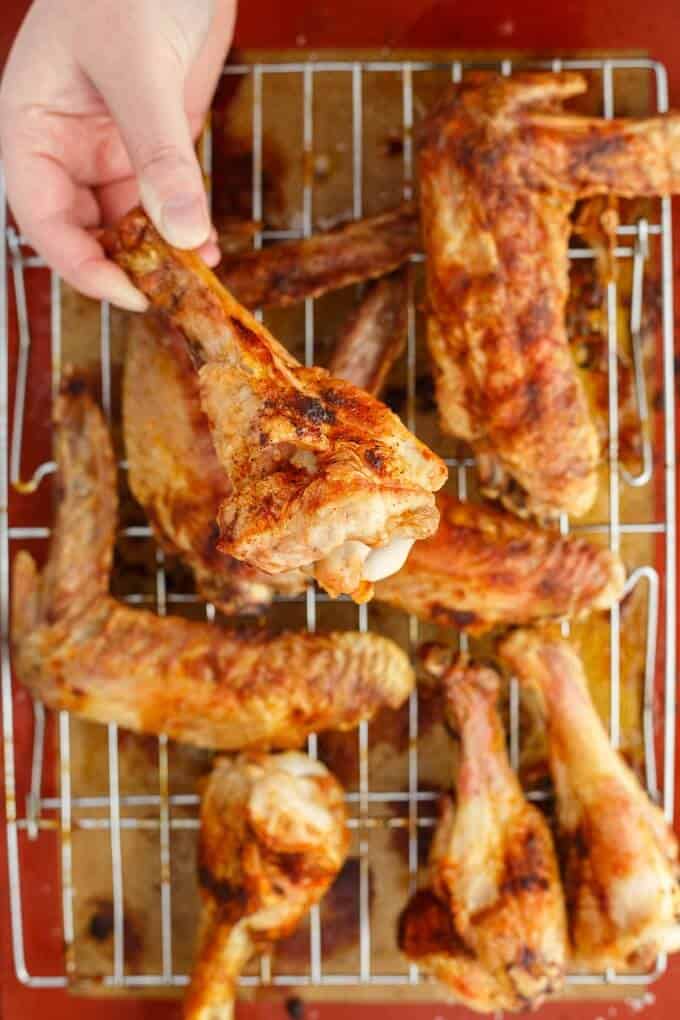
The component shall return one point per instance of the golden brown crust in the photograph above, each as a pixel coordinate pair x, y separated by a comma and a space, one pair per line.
173, 469
206, 686
374, 336
273, 838
77, 648
76, 575
486, 568
619, 856
287, 273
174, 473
314, 462
427, 936
493, 868
501, 168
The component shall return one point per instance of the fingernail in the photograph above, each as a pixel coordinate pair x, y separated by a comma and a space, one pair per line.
129, 298
184, 221
105, 281
117, 289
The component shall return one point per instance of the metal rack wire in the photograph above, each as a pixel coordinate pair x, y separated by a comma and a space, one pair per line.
41, 813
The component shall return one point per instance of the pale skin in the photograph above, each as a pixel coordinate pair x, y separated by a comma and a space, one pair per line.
100, 103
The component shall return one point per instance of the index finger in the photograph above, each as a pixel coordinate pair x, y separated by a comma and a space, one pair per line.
45, 202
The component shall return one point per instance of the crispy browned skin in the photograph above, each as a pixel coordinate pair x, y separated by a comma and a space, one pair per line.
374, 336
317, 465
619, 855
287, 273
173, 470
493, 869
273, 838
77, 648
501, 168
428, 937
486, 568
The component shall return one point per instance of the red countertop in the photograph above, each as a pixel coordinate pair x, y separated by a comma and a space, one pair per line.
535, 26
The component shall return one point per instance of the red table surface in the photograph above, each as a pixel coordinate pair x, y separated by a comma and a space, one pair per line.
535, 26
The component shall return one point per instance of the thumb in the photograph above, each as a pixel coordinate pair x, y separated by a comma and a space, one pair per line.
148, 107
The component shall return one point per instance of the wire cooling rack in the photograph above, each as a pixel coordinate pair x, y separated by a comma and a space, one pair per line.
38, 814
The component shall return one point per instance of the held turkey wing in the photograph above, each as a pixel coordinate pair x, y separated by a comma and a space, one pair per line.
320, 470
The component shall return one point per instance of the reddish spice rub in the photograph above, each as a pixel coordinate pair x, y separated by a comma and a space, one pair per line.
290, 439
486, 568
501, 167
289, 272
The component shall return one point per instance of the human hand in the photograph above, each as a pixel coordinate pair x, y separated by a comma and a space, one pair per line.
99, 104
